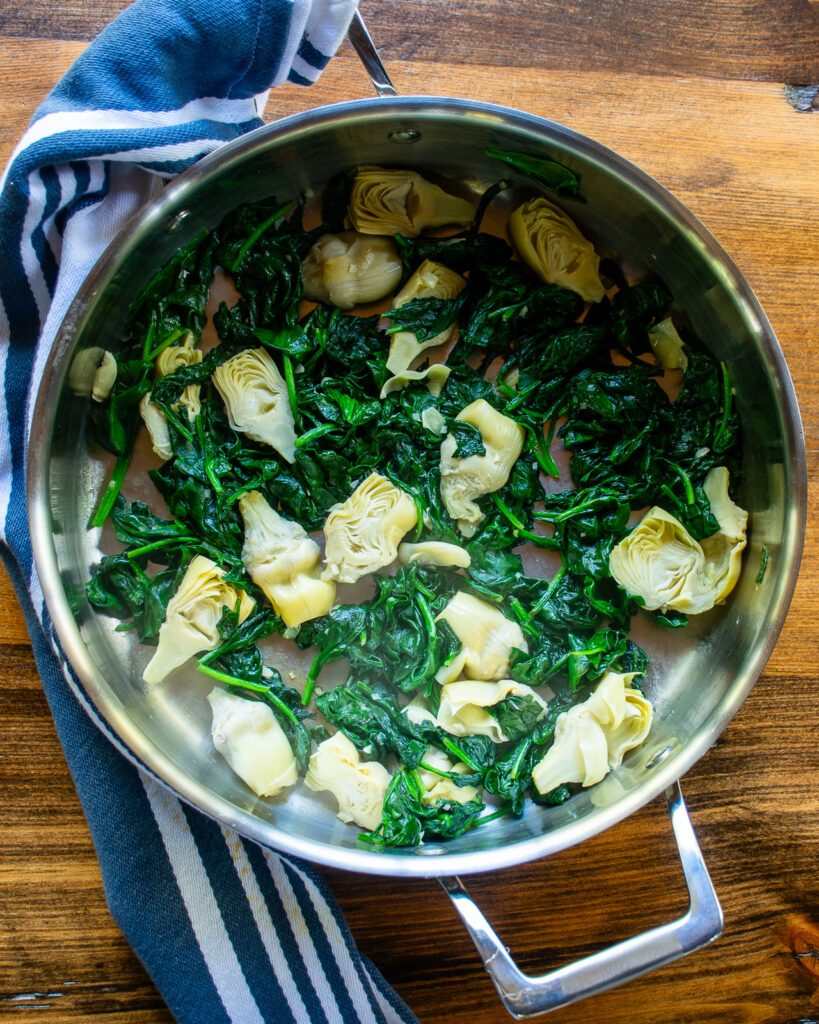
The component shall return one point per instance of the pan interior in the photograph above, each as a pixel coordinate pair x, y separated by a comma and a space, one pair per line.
698, 676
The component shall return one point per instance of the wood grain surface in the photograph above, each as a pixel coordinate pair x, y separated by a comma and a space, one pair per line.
693, 93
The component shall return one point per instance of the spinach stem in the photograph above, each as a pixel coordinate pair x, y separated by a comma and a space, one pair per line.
112, 488
157, 544
311, 435
290, 380
253, 238
166, 341
245, 684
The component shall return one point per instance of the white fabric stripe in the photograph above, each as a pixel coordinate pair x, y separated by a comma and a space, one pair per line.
328, 24
31, 264
345, 963
209, 108
301, 67
298, 23
307, 949
203, 910
5, 436
391, 1014
267, 932
162, 154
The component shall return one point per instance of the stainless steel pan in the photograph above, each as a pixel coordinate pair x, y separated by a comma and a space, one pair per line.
700, 676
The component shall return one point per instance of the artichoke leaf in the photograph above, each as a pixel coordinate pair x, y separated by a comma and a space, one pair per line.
438, 787
463, 703
435, 376
430, 281
487, 639
434, 552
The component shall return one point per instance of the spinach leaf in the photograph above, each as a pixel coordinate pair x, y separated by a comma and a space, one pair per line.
407, 819
550, 174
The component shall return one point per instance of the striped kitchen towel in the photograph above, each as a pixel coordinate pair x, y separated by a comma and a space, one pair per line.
230, 932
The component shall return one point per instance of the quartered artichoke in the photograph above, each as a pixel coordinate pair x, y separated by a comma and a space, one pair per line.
358, 786
487, 639
364, 531
438, 787
660, 562
434, 552
463, 481
462, 711
256, 400
192, 617
430, 281
167, 361
551, 244
248, 736
592, 738
284, 562
388, 202
349, 268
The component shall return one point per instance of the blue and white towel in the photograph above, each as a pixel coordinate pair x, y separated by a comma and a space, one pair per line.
230, 932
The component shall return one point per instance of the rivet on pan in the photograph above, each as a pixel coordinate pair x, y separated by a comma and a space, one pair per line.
182, 215
659, 757
404, 136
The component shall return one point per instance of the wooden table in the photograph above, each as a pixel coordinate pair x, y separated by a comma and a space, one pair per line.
693, 93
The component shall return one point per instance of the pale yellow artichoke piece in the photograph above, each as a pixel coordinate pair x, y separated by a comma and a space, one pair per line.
389, 202
551, 244
248, 736
462, 710
463, 481
660, 562
93, 373
192, 617
667, 345
363, 532
430, 281
487, 638
592, 738
284, 562
433, 421
255, 396
434, 377
349, 268
434, 552
417, 711
358, 786
104, 378
436, 787
168, 360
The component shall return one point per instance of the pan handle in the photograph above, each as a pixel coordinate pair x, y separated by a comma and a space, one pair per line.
527, 996
368, 54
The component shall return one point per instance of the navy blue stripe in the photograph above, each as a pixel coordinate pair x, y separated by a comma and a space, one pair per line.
284, 931
324, 948
313, 56
82, 182
237, 918
39, 242
298, 79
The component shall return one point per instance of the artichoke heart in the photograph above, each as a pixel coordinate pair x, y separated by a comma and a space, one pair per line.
487, 638
350, 268
660, 562
430, 281
592, 738
255, 397
363, 532
463, 481
248, 736
168, 360
93, 372
551, 244
434, 552
284, 562
358, 786
438, 787
390, 202
462, 711
192, 617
